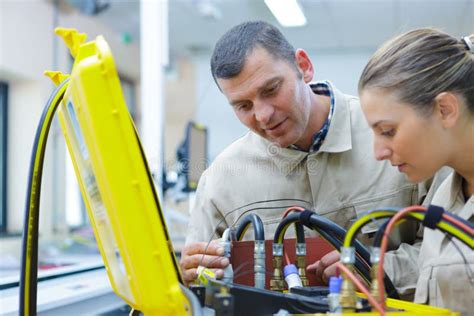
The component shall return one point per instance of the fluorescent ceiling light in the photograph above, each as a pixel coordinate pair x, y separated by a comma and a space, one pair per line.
287, 12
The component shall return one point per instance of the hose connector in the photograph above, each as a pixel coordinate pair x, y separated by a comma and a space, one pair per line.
276, 282
348, 298
348, 255
225, 243
259, 263
375, 261
301, 264
277, 250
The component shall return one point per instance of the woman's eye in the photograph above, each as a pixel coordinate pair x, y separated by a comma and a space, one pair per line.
389, 132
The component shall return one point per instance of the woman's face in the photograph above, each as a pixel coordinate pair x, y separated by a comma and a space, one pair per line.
410, 141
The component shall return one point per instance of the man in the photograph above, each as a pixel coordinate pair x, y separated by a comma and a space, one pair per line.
308, 143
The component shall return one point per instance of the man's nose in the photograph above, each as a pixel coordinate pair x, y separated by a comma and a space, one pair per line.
263, 113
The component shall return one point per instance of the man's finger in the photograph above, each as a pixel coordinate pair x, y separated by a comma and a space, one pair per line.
213, 248
219, 273
330, 258
312, 267
194, 261
189, 275
329, 272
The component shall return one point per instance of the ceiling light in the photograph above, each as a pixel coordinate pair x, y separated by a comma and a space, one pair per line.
287, 12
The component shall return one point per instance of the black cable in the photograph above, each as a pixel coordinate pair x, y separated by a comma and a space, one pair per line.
335, 240
379, 234
257, 224
328, 225
284, 224
258, 208
29, 259
362, 266
361, 250
324, 226
299, 228
245, 212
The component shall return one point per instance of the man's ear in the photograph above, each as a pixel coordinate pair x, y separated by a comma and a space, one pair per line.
304, 65
448, 108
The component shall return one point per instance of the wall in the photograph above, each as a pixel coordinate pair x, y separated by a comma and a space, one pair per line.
27, 47
213, 110
180, 105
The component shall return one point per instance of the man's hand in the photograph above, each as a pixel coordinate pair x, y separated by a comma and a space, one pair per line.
196, 254
325, 267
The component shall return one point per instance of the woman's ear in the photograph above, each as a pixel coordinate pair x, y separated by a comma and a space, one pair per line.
448, 108
304, 65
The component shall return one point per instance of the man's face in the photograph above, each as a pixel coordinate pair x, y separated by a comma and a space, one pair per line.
271, 97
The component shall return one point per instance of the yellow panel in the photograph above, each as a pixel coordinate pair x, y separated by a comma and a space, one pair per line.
117, 187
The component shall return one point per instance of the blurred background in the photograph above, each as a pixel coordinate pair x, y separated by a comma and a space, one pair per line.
162, 51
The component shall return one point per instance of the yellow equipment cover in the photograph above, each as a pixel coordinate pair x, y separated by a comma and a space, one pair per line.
116, 184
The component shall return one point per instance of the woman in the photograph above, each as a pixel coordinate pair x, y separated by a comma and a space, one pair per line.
417, 94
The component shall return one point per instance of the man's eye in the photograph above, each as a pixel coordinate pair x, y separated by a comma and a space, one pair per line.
271, 90
243, 107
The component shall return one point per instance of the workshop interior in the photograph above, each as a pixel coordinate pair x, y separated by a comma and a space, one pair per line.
109, 115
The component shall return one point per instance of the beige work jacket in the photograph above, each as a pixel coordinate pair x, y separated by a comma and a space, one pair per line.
340, 181
444, 278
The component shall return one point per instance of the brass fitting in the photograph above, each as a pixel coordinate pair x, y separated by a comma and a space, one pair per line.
374, 284
276, 282
348, 296
301, 264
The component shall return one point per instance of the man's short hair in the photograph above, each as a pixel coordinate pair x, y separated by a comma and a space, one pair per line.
234, 46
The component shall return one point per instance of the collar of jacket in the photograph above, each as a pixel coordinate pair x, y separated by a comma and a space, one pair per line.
451, 197
338, 138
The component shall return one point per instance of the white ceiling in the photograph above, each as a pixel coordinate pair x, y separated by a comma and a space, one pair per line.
332, 24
